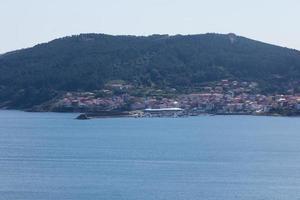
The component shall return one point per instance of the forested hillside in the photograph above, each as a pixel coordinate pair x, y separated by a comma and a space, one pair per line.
88, 61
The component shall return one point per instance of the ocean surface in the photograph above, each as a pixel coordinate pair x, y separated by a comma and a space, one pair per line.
51, 156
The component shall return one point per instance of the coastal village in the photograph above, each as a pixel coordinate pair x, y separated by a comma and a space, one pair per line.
224, 97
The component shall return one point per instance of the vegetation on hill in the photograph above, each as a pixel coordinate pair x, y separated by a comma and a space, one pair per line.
88, 61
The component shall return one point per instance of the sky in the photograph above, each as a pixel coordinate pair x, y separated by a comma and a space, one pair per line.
27, 23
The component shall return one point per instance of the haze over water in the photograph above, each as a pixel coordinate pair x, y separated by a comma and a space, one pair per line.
47, 156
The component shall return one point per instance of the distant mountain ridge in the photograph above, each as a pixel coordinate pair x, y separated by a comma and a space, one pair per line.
88, 61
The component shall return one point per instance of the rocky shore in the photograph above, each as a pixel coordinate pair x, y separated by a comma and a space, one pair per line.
104, 114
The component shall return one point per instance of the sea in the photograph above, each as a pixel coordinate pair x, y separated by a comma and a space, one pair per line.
53, 156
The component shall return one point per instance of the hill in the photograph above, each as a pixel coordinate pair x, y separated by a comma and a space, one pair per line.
87, 62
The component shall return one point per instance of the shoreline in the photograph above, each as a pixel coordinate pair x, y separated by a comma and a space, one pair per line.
132, 114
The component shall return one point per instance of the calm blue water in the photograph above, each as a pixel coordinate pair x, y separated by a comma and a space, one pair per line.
47, 156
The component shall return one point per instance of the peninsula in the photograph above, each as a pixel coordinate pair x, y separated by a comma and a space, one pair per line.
101, 74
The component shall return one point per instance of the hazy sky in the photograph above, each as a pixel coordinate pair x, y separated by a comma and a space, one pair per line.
25, 23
